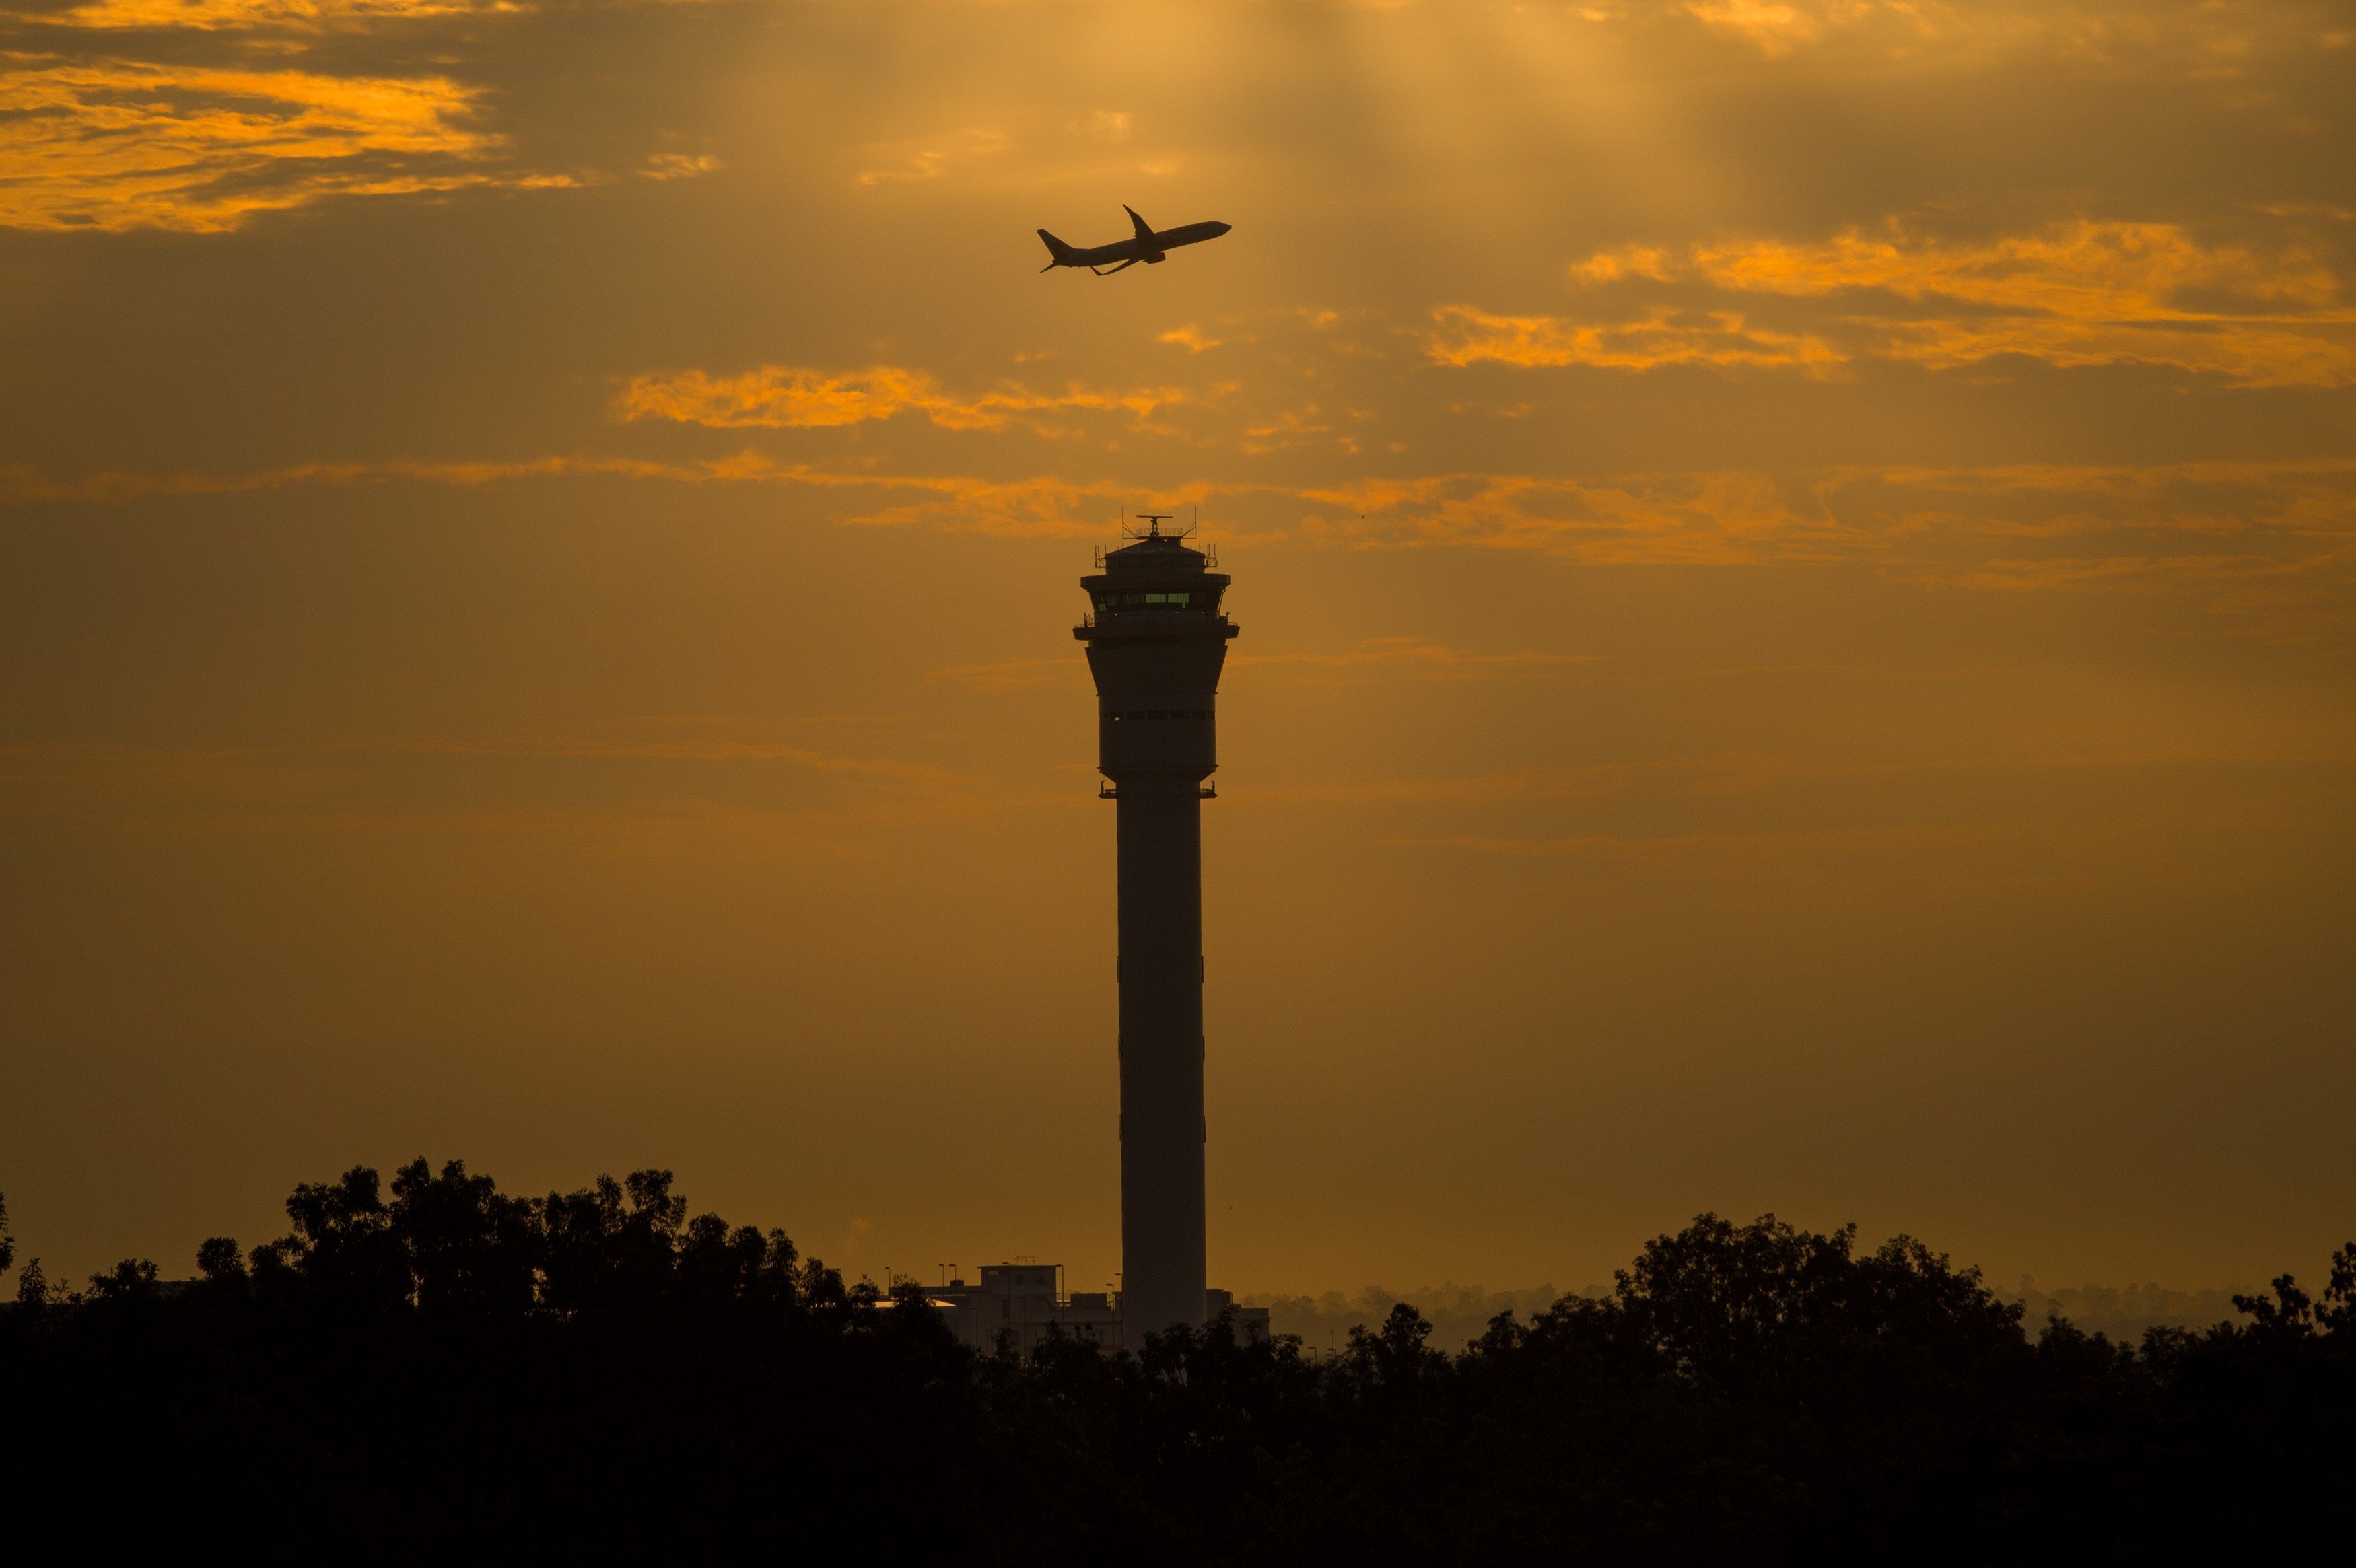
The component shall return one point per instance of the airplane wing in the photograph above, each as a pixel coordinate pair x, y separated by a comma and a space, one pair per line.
1144, 229
1108, 271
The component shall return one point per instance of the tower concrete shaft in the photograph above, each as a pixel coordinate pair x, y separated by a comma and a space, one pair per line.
1156, 640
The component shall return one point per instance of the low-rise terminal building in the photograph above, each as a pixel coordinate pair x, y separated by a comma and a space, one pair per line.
1017, 1306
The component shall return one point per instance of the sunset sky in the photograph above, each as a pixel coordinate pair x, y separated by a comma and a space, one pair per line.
1796, 560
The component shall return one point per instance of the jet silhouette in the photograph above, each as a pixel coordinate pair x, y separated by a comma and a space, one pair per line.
1148, 244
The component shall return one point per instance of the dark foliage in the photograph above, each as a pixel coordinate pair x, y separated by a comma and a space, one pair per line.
455, 1373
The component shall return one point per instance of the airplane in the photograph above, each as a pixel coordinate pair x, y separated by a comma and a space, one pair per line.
1148, 245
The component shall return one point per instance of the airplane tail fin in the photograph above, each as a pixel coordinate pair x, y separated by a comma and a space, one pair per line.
1058, 249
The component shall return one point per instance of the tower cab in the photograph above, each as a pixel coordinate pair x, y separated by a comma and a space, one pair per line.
1156, 639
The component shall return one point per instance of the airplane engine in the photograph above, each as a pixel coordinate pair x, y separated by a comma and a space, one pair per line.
1157, 256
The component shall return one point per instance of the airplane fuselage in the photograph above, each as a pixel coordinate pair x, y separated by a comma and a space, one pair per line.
1148, 244
1141, 249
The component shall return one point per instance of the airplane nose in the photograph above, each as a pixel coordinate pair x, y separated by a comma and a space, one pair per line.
1224, 227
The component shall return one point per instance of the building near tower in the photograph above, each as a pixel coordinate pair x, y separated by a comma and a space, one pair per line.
1019, 1307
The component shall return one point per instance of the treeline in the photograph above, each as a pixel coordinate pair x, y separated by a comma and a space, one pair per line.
1458, 1314
450, 1372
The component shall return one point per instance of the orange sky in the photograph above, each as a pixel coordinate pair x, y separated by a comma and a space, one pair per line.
1797, 561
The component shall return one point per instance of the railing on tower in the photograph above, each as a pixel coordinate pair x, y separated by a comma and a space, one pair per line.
1151, 529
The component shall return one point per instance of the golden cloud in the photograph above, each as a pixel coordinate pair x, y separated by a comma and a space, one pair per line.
791, 397
696, 762
2270, 546
1023, 507
678, 166
22, 484
2246, 354
931, 157
1410, 655
119, 145
283, 16
2077, 293
2083, 270
1807, 846
1665, 335
1111, 125
236, 15
2114, 570
2273, 542
1290, 427
1018, 508
1704, 518
1773, 26
1778, 28
2187, 38
1013, 675
1627, 261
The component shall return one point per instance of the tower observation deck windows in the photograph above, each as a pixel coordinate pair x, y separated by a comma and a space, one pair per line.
1175, 601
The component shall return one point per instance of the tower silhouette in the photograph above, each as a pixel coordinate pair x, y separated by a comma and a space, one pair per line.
1156, 640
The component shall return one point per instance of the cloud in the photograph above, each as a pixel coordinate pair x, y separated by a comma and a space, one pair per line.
1290, 427
118, 145
1774, 27
2269, 547
2084, 270
1189, 338
2071, 294
678, 166
1778, 28
1727, 775
1410, 655
2272, 544
273, 16
2183, 37
1709, 518
23, 485
1013, 675
1033, 507
1414, 658
658, 767
793, 397
1627, 261
1108, 124
1805, 845
931, 157
2116, 570
239, 15
1018, 508
1665, 335
2246, 356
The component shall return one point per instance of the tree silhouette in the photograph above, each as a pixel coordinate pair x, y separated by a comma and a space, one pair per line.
453, 1372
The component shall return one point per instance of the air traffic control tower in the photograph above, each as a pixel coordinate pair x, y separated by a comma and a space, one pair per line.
1156, 640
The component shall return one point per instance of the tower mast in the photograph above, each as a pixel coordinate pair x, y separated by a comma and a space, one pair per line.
1156, 640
